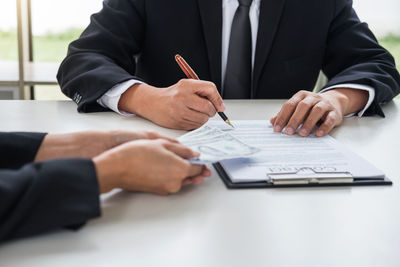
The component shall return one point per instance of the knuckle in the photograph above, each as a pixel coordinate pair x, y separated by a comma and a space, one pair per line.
211, 86
330, 121
336, 121
280, 122
182, 82
293, 122
304, 105
291, 104
303, 93
207, 87
298, 94
318, 96
319, 108
214, 93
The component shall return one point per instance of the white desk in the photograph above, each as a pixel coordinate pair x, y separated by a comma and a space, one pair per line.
209, 225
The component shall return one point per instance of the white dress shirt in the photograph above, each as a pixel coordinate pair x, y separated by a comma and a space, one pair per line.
111, 98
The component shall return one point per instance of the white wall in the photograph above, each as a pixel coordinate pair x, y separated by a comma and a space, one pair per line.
8, 15
51, 15
383, 16
56, 15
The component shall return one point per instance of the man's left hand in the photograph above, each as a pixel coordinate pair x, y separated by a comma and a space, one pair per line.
88, 144
325, 110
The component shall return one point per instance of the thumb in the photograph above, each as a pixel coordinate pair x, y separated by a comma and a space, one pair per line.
196, 170
181, 150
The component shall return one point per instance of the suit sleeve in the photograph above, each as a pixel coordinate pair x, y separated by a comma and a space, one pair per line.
18, 149
45, 196
104, 55
353, 55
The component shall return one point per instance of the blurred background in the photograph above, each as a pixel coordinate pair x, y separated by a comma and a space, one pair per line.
55, 23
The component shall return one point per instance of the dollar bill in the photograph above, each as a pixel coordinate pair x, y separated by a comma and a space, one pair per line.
215, 145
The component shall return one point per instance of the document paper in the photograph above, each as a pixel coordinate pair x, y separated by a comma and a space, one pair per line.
281, 153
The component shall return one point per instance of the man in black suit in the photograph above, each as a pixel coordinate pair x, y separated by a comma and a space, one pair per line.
51, 181
258, 49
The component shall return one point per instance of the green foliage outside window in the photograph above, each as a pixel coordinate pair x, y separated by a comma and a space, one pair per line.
392, 43
52, 47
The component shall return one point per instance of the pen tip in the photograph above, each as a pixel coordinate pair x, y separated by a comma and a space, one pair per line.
228, 122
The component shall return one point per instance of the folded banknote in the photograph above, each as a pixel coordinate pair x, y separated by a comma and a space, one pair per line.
215, 145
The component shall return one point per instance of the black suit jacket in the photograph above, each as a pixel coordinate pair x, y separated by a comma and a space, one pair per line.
296, 39
38, 197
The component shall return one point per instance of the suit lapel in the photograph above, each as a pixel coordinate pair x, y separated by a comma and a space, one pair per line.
270, 14
211, 16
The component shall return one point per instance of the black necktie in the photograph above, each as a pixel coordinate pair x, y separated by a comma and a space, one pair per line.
238, 69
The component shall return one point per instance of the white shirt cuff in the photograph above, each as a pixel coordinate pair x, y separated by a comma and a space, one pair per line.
111, 98
370, 90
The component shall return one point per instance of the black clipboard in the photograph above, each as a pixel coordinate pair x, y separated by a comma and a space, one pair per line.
357, 182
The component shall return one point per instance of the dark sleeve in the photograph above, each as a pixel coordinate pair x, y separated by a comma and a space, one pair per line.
46, 196
18, 149
354, 56
104, 55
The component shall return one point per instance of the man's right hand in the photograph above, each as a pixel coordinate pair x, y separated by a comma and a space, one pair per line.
152, 166
186, 105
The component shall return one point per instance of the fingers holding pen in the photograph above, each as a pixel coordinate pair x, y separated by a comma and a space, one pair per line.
202, 105
209, 90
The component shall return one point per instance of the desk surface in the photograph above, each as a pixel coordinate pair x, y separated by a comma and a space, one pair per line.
209, 225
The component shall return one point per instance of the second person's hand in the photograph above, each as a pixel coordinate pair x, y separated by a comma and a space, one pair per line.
88, 144
153, 166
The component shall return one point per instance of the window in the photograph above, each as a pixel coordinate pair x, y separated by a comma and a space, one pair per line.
8, 31
384, 20
9, 73
56, 23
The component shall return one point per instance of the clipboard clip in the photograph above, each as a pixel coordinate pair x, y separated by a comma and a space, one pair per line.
307, 175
